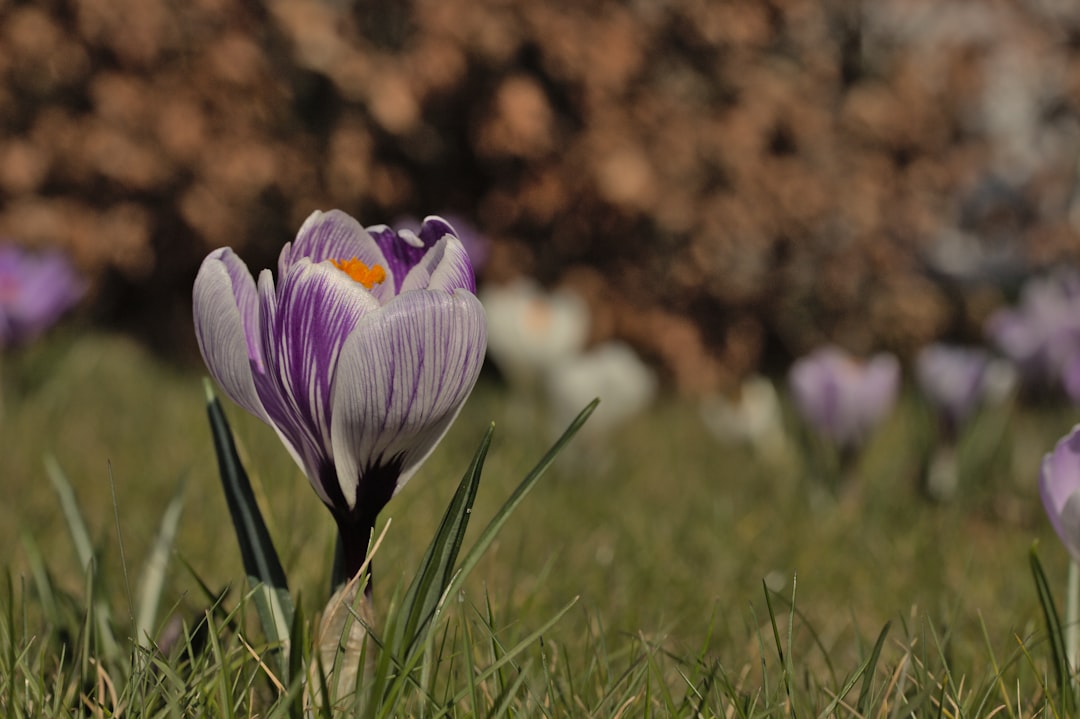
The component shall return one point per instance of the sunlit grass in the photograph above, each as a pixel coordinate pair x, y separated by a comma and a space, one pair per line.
665, 535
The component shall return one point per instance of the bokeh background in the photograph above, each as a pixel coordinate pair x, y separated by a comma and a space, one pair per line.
727, 184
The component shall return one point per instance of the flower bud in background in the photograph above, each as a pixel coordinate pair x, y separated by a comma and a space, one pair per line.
35, 291
611, 371
1041, 335
842, 398
751, 416
359, 353
954, 380
531, 330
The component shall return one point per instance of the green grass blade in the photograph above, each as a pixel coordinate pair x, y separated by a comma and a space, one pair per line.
871, 668
296, 661
43, 582
785, 662
8, 680
84, 549
472, 557
997, 683
260, 559
152, 581
433, 575
1056, 632
69, 505
508, 655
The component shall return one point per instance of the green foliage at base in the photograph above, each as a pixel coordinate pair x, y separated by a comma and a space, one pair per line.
663, 536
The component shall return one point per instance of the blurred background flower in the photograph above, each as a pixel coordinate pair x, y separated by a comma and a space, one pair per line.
957, 382
35, 291
750, 416
954, 380
844, 398
611, 371
647, 158
531, 330
1042, 333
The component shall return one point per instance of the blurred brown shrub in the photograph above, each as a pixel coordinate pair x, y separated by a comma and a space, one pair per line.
721, 180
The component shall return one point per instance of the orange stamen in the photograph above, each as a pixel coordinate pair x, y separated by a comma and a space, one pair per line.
367, 276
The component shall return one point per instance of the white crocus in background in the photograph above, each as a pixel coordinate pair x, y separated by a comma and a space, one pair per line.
537, 339
611, 371
531, 330
751, 416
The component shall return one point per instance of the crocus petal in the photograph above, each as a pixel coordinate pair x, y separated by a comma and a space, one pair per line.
334, 235
1059, 487
306, 322
401, 380
226, 326
402, 250
454, 268
445, 267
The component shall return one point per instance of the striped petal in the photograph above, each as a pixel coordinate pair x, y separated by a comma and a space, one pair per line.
401, 380
226, 317
334, 235
405, 250
402, 250
305, 324
445, 267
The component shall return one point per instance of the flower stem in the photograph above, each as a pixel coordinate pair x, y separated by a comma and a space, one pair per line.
1072, 610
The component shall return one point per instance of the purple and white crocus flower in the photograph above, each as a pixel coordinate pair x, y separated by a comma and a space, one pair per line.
359, 353
1059, 486
841, 397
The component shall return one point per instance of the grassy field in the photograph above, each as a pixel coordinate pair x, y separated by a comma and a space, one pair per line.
663, 534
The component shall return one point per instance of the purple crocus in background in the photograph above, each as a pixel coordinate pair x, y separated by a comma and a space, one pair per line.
35, 291
841, 397
1059, 486
953, 379
1041, 334
360, 353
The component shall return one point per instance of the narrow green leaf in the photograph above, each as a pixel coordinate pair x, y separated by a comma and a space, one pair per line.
785, 663
296, 661
998, 683
42, 580
435, 569
84, 549
509, 655
871, 668
1058, 654
261, 562
69, 505
472, 557
9, 654
152, 581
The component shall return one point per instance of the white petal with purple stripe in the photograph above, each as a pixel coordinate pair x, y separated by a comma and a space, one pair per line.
402, 378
